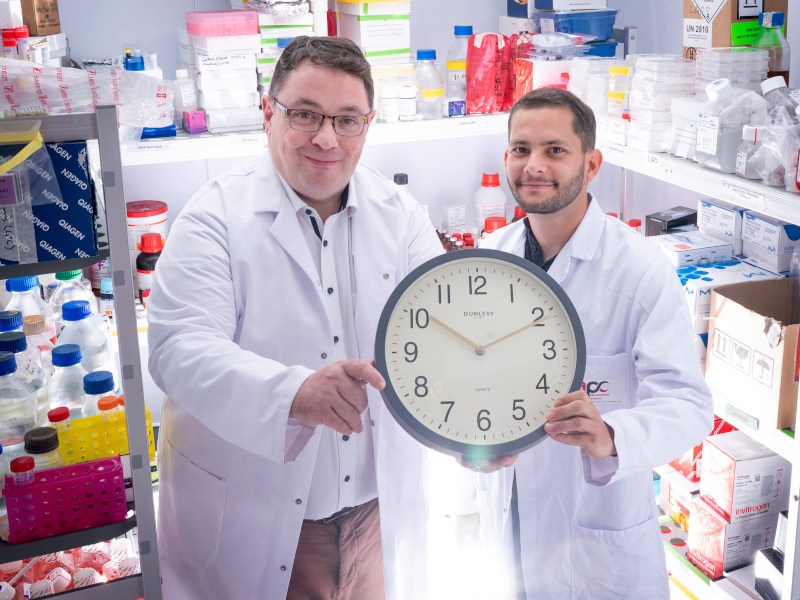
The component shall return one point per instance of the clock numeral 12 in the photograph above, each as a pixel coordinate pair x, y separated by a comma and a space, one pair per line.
480, 282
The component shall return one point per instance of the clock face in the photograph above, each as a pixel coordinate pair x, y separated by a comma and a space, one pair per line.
475, 347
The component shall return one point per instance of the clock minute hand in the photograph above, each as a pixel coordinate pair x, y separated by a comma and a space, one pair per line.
515, 332
478, 349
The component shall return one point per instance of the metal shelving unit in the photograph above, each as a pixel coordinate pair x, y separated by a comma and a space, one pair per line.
102, 126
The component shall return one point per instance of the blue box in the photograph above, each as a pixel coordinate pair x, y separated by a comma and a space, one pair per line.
47, 226
604, 49
517, 8
599, 23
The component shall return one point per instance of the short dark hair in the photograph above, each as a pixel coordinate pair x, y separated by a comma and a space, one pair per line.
583, 121
332, 52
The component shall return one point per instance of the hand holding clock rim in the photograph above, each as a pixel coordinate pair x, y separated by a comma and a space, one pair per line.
455, 333
334, 396
516, 331
576, 421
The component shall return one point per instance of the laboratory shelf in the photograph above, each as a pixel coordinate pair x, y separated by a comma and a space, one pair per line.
125, 587
780, 441
51, 266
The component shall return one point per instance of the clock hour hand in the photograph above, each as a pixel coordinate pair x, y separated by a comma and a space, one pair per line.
515, 332
478, 349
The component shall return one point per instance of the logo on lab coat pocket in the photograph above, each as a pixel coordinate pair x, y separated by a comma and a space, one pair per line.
596, 389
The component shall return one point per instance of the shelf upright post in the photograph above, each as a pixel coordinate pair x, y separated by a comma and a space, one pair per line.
127, 336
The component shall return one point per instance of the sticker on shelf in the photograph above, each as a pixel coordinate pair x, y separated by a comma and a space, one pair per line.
745, 196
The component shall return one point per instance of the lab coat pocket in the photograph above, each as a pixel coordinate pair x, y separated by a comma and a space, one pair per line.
607, 381
190, 509
619, 564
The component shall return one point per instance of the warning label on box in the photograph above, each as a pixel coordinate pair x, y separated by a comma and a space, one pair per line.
696, 33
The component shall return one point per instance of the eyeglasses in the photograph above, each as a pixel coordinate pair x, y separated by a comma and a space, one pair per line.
301, 119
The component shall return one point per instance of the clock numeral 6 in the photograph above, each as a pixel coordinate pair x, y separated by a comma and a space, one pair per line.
476, 285
411, 351
421, 386
550, 349
519, 410
420, 317
484, 424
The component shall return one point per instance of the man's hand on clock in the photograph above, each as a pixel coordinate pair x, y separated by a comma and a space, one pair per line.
576, 421
478, 349
334, 396
515, 332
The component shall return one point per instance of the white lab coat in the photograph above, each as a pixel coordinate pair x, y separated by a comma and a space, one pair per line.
237, 322
589, 527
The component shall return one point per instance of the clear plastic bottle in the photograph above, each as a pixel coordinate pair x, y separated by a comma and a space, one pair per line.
96, 385
430, 89
17, 406
33, 327
25, 298
185, 94
751, 142
719, 131
771, 38
80, 329
59, 419
776, 93
70, 288
457, 63
29, 368
11, 320
65, 387
110, 408
22, 469
490, 200
41, 444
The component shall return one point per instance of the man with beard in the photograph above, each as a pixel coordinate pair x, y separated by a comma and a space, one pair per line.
577, 510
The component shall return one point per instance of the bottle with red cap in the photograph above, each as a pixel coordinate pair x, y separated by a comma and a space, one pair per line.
519, 214
635, 224
152, 245
490, 200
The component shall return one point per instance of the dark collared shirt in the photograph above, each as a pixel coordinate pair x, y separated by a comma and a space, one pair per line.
533, 251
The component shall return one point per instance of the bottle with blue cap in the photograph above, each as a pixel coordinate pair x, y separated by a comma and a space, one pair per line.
65, 387
105, 303
17, 406
95, 386
430, 89
771, 38
457, 63
11, 320
80, 328
26, 298
69, 288
29, 368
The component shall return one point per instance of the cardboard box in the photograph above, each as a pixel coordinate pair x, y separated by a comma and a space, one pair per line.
676, 497
699, 280
379, 32
769, 242
723, 23
752, 341
41, 16
716, 545
721, 220
693, 248
742, 478
689, 464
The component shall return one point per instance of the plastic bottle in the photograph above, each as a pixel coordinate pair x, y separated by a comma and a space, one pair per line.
389, 104
105, 303
408, 102
133, 60
771, 38
65, 387
719, 131
751, 142
457, 63
22, 469
70, 287
430, 89
490, 200
33, 327
151, 247
26, 299
80, 329
519, 214
11, 320
23, 41
109, 408
635, 224
185, 94
29, 368
41, 444
95, 386
10, 48
59, 419
17, 406
777, 94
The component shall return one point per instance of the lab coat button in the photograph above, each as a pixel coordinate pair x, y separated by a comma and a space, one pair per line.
330, 290
308, 211
347, 477
283, 567
325, 243
335, 339
298, 501
345, 437
386, 276
324, 355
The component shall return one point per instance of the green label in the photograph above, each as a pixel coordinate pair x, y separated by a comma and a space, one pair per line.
746, 32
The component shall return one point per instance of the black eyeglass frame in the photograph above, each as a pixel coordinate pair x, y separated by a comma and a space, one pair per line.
289, 112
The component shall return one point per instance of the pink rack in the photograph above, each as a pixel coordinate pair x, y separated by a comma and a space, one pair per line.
215, 23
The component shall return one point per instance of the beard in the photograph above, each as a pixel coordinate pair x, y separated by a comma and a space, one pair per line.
561, 198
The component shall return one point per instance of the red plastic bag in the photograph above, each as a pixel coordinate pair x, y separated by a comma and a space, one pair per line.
488, 73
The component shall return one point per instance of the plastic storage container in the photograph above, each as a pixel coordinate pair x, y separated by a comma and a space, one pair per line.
604, 49
430, 89
598, 23
70, 288
33, 327
25, 298
771, 39
41, 444
490, 200
65, 387
96, 385
17, 405
457, 62
80, 329
211, 23
751, 142
29, 368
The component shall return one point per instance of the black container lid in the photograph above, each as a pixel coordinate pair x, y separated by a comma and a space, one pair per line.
40, 440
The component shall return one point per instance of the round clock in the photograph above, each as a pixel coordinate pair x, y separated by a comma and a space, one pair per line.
475, 347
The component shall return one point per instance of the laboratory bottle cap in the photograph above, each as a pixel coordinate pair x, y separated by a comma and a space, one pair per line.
519, 212
40, 440
98, 382
462, 30
32, 324
773, 83
8, 363
22, 464
619, 70
107, 403
613, 214
21, 32
750, 133
58, 414
9, 42
121, 400
22, 284
408, 91
106, 286
66, 355
635, 222
283, 42
490, 180
719, 90
68, 275
75, 310
138, 209
427, 54
493, 224
401, 178
13, 341
181, 73
11, 319
771, 19
152, 243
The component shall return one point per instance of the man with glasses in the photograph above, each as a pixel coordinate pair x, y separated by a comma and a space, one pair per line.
282, 475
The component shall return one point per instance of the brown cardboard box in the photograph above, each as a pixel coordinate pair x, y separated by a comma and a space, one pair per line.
723, 23
41, 16
751, 365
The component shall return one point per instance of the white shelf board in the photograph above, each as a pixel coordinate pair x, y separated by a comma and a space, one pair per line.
688, 578
774, 439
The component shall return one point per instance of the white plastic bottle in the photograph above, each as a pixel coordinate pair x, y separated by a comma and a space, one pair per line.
25, 298
389, 104
33, 327
490, 200
80, 329
41, 444
777, 94
29, 368
65, 387
96, 385
70, 287
407, 99
185, 94
457, 63
17, 406
430, 89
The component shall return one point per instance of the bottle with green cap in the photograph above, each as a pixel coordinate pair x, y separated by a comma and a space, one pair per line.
70, 288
